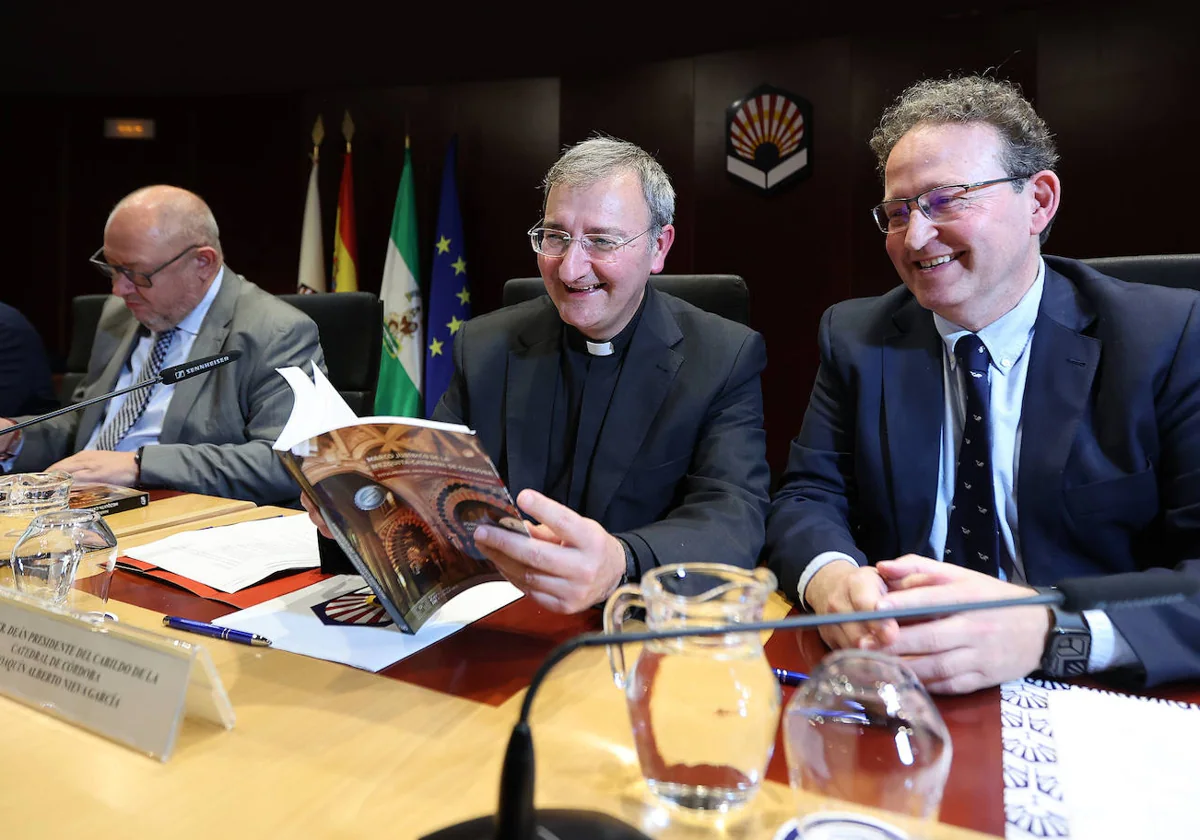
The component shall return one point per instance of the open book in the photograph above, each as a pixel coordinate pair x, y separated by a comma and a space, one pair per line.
401, 495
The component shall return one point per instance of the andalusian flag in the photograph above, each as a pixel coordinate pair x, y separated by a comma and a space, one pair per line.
345, 243
449, 293
311, 277
399, 391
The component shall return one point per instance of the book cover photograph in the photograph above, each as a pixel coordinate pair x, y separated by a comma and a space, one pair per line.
106, 498
403, 497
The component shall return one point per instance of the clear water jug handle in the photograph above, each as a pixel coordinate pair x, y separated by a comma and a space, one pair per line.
619, 603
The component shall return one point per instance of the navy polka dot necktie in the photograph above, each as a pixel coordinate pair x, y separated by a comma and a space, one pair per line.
973, 533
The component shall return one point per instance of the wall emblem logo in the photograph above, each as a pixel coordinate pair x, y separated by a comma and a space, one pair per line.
768, 138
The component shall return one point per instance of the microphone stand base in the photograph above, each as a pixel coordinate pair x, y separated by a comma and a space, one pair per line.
552, 825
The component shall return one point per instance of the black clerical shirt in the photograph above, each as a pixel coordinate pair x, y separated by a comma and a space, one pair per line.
588, 374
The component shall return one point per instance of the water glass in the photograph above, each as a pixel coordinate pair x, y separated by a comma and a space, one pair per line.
22, 497
66, 558
862, 737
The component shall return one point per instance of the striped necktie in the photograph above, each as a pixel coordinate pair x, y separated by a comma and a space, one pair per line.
135, 404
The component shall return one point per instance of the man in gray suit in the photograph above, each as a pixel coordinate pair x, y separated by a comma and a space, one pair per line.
174, 300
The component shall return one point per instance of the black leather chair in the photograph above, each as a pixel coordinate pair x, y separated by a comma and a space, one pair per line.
1178, 270
351, 328
85, 314
722, 294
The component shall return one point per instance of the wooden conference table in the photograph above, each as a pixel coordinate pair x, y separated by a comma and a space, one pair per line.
325, 750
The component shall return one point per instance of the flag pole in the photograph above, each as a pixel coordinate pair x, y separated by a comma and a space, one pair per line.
311, 277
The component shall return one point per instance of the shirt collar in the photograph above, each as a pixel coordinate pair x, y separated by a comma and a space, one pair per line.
192, 321
1006, 338
580, 343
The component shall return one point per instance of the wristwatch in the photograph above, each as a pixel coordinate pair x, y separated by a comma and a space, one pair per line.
631, 566
1068, 645
137, 466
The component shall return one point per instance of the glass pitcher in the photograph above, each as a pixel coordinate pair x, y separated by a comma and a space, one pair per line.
704, 709
66, 558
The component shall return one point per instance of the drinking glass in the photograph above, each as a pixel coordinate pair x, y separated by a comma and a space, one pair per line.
22, 497
66, 558
704, 709
862, 736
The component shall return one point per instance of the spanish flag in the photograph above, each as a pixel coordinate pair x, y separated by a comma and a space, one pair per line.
345, 243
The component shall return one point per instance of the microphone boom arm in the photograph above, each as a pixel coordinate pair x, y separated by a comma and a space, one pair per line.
146, 383
1050, 597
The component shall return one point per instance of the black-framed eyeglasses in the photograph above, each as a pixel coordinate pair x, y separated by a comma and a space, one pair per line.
940, 204
599, 247
137, 278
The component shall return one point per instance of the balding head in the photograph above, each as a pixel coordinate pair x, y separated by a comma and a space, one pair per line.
168, 214
169, 235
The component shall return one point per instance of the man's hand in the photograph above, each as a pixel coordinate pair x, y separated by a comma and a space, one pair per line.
8, 443
315, 516
961, 653
570, 564
842, 587
101, 465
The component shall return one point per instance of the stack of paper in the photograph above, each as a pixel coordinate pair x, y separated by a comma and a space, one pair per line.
232, 557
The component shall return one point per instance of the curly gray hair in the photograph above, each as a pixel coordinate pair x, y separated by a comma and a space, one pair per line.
1027, 146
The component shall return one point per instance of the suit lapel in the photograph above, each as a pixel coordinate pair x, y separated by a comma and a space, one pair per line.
649, 368
529, 400
1062, 365
213, 332
106, 382
913, 403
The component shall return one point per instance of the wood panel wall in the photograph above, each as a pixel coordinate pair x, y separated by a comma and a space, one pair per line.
1118, 86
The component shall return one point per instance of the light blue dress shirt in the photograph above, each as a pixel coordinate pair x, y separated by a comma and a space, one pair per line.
148, 428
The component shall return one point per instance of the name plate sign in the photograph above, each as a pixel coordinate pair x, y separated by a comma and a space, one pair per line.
128, 684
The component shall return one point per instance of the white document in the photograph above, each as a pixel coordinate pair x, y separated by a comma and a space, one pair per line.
1090, 764
293, 622
1128, 767
232, 557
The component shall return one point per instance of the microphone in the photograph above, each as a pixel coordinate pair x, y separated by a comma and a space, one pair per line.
516, 818
178, 373
168, 376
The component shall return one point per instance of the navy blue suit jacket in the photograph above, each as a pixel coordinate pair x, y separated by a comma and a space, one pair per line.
1109, 473
25, 386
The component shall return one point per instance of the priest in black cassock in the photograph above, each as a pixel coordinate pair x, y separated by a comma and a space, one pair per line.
627, 422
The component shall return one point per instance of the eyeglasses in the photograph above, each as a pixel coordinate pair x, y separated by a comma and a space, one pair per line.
137, 278
599, 247
940, 204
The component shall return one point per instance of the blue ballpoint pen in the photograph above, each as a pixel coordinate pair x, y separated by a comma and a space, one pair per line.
787, 677
206, 629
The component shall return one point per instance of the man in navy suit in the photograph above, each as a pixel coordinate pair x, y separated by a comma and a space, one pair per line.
25, 386
1022, 418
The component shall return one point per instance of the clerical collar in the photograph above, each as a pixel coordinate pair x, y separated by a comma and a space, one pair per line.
613, 347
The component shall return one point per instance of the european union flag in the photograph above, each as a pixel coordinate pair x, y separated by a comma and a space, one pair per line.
449, 291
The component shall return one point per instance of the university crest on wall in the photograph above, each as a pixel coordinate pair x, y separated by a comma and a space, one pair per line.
768, 138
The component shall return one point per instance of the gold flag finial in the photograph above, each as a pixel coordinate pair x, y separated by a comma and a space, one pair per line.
347, 129
318, 137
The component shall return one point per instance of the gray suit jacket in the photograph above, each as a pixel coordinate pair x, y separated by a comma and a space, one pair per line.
680, 468
218, 430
